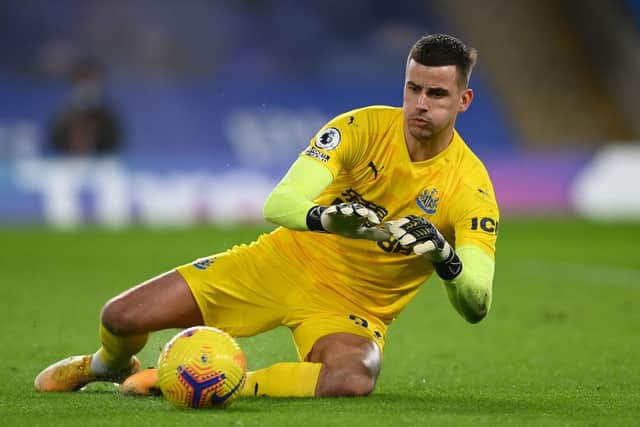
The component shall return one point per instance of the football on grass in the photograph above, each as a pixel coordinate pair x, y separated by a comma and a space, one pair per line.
201, 367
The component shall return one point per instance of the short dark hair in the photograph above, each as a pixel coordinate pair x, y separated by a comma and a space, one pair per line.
436, 50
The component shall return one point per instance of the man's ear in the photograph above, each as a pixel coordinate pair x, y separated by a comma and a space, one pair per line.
465, 100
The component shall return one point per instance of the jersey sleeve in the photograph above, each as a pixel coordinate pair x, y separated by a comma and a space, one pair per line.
476, 216
291, 199
339, 144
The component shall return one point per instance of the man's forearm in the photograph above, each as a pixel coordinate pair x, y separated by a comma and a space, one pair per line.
470, 293
290, 201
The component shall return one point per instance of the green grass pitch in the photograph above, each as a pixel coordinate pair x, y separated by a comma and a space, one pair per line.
560, 347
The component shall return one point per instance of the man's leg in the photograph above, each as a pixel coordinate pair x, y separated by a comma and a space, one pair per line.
339, 364
160, 303
350, 365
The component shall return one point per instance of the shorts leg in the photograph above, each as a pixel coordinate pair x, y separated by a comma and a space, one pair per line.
322, 323
242, 291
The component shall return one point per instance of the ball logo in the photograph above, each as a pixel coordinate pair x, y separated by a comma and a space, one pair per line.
328, 139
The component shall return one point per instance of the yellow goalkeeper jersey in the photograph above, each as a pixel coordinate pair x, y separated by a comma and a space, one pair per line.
366, 152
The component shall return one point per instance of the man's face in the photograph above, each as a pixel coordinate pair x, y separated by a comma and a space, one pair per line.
432, 99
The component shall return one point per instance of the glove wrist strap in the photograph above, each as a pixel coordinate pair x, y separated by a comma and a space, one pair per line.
313, 218
450, 268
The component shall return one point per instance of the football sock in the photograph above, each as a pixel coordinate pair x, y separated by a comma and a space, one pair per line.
283, 380
115, 352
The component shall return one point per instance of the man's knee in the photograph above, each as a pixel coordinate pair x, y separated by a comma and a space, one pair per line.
119, 318
163, 302
351, 365
348, 384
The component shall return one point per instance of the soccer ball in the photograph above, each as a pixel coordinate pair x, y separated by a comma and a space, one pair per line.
201, 367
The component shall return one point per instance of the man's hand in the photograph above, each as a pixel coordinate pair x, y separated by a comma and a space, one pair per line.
470, 294
424, 238
420, 235
353, 220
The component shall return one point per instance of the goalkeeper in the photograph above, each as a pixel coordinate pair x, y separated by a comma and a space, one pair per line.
381, 198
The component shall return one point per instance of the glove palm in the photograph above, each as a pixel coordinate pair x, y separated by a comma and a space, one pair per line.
353, 220
423, 237
425, 240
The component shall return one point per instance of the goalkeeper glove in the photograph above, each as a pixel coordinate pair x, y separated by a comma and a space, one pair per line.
351, 220
425, 240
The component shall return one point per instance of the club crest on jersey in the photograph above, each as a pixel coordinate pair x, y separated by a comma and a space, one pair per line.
203, 263
428, 200
328, 139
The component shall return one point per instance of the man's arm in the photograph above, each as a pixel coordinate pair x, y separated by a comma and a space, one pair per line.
470, 292
292, 199
467, 272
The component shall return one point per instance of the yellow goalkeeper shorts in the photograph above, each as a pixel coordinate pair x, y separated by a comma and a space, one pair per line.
254, 288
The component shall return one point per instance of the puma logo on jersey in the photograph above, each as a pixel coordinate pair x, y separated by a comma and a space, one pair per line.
374, 169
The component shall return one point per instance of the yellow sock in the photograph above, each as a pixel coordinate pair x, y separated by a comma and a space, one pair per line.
283, 380
116, 351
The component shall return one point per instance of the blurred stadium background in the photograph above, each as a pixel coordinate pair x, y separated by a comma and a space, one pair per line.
162, 112
180, 116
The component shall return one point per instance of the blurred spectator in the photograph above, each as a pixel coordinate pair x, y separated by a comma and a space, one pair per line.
86, 125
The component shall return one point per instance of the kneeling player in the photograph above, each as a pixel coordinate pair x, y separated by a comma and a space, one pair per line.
367, 213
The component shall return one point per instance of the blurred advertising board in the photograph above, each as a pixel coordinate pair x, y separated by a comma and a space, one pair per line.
200, 154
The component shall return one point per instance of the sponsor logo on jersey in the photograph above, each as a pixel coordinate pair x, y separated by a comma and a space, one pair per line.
313, 152
203, 263
486, 224
428, 200
328, 139
352, 196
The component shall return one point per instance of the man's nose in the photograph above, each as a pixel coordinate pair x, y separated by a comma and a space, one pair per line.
422, 102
